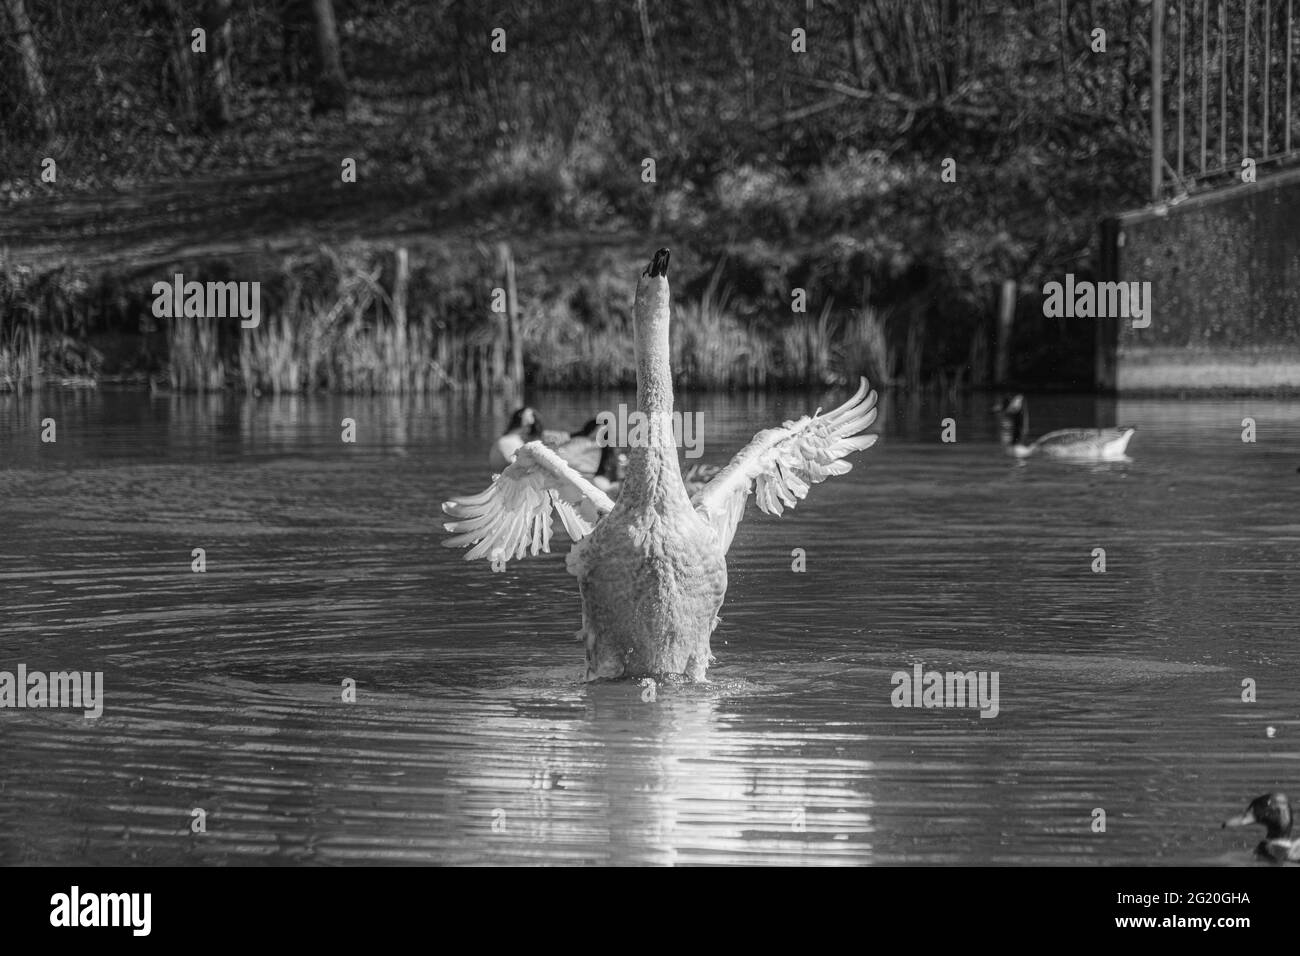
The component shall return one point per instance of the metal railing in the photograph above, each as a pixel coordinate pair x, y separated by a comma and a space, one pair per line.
1247, 56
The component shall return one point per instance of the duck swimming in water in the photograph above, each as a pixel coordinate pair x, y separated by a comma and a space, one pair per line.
652, 566
1082, 444
1274, 813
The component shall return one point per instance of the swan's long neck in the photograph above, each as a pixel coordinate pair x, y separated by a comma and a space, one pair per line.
654, 377
653, 474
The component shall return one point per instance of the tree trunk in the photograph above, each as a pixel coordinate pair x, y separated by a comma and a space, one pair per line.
295, 25
331, 90
42, 107
662, 91
176, 43
513, 336
215, 19
950, 37
857, 59
401, 280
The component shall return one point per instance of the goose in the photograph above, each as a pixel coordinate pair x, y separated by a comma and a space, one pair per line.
582, 450
524, 426
652, 565
609, 474
589, 452
1090, 444
1274, 813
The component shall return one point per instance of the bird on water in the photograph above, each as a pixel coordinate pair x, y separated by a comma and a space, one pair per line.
652, 566
1273, 812
1081, 444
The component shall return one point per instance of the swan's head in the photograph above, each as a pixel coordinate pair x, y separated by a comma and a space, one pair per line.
658, 265
525, 421
651, 307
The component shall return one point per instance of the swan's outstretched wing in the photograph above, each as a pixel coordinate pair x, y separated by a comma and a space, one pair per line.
784, 462
514, 515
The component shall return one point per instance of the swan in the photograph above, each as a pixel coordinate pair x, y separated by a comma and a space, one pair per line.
1091, 444
652, 566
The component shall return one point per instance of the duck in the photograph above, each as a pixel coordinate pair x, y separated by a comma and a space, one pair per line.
1274, 813
1082, 444
651, 564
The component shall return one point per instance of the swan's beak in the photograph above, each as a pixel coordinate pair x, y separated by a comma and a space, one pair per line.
659, 264
650, 311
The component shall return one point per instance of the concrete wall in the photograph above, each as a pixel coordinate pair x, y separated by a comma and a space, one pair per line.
1224, 269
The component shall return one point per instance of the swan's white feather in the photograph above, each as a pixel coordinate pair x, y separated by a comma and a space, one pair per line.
781, 464
513, 516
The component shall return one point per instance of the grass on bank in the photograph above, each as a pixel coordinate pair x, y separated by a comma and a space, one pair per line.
336, 321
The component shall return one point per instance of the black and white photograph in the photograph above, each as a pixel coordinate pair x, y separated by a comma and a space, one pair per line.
651, 433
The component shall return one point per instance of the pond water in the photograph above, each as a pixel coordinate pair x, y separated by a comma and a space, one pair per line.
472, 738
